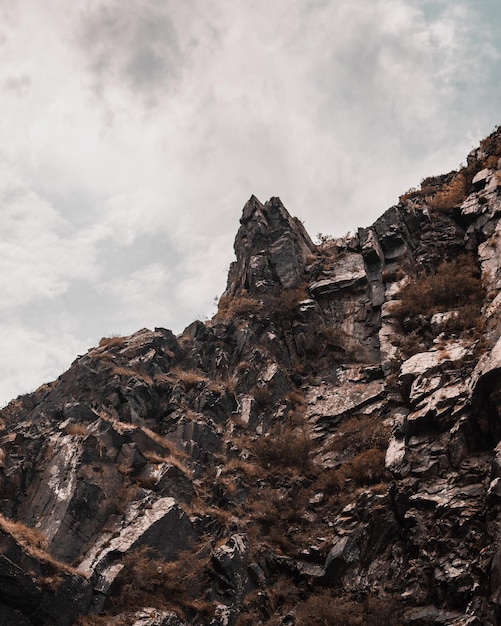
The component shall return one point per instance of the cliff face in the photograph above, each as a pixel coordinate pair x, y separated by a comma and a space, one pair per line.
324, 451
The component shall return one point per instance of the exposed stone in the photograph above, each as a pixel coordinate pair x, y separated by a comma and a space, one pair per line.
342, 555
230, 561
271, 249
347, 274
328, 403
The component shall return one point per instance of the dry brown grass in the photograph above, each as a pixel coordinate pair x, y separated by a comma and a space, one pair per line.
262, 395
246, 469
285, 447
279, 306
276, 516
360, 432
456, 284
93, 620
132, 372
77, 429
365, 469
323, 608
168, 445
236, 306
283, 595
34, 543
189, 379
111, 342
24, 535
451, 196
201, 508
175, 458
178, 586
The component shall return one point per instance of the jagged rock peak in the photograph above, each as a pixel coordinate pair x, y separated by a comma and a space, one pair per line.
271, 248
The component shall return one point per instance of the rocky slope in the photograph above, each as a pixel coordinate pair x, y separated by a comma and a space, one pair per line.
324, 451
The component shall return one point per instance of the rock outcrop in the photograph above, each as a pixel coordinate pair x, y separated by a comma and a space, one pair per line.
325, 450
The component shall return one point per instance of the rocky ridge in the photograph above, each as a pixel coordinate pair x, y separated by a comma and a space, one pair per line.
326, 450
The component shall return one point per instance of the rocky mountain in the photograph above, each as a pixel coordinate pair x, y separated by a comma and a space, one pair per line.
326, 450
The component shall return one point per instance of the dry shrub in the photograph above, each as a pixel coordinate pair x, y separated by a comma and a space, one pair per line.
237, 306
468, 317
364, 469
367, 468
284, 447
456, 284
411, 344
93, 620
189, 379
391, 276
277, 515
110, 342
283, 594
147, 580
24, 535
262, 395
326, 344
323, 609
244, 468
132, 372
491, 161
322, 337
452, 195
77, 429
331, 482
146, 482
246, 619
361, 432
492, 144
412, 192
279, 306
34, 542
283, 306
296, 398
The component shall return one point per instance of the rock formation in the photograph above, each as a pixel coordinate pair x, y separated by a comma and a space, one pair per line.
326, 450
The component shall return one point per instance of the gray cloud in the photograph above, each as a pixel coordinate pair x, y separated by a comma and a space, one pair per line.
133, 43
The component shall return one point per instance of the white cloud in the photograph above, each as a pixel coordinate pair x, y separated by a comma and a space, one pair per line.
31, 357
37, 261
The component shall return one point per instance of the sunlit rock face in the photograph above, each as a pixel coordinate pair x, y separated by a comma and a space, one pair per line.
326, 449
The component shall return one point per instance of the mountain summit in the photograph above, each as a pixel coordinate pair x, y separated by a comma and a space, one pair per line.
271, 249
325, 450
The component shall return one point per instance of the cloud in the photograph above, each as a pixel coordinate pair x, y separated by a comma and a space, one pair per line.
30, 357
133, 43
133, 133
143, 295
37, 261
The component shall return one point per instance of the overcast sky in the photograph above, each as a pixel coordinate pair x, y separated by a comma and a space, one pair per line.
132, 132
